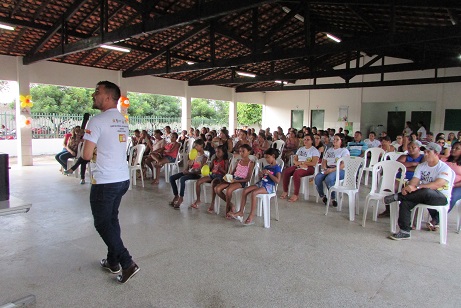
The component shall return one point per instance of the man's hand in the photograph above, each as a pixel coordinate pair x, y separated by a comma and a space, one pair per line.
408, 189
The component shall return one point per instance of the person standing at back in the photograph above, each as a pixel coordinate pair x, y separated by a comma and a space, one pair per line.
108, 134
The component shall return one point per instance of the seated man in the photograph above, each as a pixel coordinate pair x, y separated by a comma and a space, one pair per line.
429, 185
372, 142
410, 161
357, 147
429, 138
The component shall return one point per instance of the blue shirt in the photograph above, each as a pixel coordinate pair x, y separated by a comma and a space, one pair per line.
273, 170
357, 148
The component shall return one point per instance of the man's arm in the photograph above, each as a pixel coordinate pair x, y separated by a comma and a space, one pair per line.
438, 183
88, 149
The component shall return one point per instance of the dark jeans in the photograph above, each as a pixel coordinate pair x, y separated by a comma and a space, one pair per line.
105, 200
62, 157
82, 162
182, 180
409, 201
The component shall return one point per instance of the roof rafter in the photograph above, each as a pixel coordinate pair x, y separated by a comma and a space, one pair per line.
375, 42
207, 11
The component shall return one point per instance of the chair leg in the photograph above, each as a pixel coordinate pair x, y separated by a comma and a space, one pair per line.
203, 190
458, 221
443, 213
276, 208
393, 207
259, 207
365, 210
267, 212
351, 206
217, 205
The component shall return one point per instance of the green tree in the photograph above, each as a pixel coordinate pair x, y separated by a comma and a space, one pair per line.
248, 114
142, 104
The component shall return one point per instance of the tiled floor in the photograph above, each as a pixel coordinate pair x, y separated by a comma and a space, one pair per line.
190, 258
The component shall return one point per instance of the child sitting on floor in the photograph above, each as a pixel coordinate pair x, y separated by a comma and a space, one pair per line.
270, 176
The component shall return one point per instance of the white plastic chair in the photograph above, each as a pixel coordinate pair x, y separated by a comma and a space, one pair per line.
170, 167
376, 155
205, 185
304, 185
237, 194
71, 161
443, 213
185, 151
458, 216
135, 164
279, 145
264, 200
353, 167
383, 184
391, 156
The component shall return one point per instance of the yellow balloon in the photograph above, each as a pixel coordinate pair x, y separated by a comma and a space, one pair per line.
205, 170
193, 154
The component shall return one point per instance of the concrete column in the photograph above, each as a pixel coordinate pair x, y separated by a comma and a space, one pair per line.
23, 131
186, 117
232, 114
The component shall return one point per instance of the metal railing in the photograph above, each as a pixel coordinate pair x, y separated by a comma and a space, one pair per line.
51, 125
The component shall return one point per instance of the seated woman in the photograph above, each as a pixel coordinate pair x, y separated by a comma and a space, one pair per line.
243, 139
328, 174
226, 141
270, 176
71, 148
152, 148
241, 176
192, 173
445, 150
165, 155
454, 162
260, 145
219, 165
386, 144
291, 145
305, 160
209, 145
80, 162
318, 144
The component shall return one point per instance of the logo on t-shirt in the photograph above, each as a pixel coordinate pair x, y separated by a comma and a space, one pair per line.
122, 137
88, 131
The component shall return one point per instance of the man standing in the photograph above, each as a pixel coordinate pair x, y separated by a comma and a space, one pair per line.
429, 185
108, 133
357, 147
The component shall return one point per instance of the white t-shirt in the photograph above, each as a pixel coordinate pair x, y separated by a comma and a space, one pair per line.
407, 131
109, 130
307, 154
427, 174
422, 130
332, 155
372, 144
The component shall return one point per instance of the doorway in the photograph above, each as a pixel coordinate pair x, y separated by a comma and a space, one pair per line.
421, 116
297, 117
317, 118
395, 123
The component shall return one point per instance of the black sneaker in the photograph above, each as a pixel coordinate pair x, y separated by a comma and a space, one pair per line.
334, 203
128, 273
389, 199
113, 269
400, 236
324, 199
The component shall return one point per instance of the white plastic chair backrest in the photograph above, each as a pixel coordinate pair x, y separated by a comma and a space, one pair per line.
279, 145
353, 167
392, 155
233, 160
188, 147
450, 184
140, 148
262, 162
376, 155
384, 176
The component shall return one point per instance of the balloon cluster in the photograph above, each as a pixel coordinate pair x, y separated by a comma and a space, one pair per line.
26, 104
124, 105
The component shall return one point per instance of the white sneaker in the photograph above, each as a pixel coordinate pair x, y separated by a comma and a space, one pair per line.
82, 181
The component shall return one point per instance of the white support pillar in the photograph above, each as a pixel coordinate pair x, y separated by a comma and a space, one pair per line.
186, 117
232, 114
23, 131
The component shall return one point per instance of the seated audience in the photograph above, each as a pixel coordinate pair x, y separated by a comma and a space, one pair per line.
305, 160
386, 144
167, 154
328, 174
241, 176
291, 145
429, 185
270, 176
192, 173
70, 148
357, 147
372, 142
243, 139
445, 150
454, 162
318, 144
